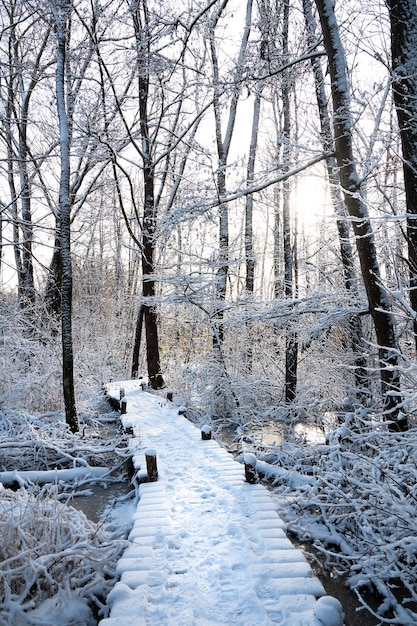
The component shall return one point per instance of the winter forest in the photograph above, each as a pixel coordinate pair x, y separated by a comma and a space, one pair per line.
219, 196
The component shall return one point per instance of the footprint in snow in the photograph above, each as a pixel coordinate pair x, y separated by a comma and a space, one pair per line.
234, 530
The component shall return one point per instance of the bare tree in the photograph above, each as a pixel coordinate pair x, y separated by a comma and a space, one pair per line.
25, 37
346, 251
291, 344
275, 21
249, 237
87, 123
378, 299
223, 143
403, 19
160, 137
62, 11
141, 21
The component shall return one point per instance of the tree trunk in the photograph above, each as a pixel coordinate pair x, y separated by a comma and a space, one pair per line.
250, 173
403, 18
291, 343
15, 125
27, 226
223, 142
346, 252
61, 13
11, 158
14, 213
52, 297
249, 252
138, 341
378, 300
156, 381
148, 282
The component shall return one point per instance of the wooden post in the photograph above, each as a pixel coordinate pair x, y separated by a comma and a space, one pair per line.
122, 393
123, 406
251, 474
143, 385
182, 411
205, 432
151, 465
128, 428
170, 395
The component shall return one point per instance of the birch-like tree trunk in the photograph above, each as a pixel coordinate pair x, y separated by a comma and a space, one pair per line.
378, 299
61, 10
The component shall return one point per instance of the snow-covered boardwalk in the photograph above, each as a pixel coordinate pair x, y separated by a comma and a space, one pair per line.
206, 547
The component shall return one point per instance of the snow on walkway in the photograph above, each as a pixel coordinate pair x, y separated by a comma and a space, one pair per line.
206, 548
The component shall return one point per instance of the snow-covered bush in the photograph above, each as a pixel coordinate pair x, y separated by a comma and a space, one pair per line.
360, 510
29, 359
49, 550
45, 442
54, 563
31, 352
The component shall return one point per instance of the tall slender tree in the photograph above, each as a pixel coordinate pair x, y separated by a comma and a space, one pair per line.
249, 236
143, 48
403, 20
86, 125
160, 137
378, 299
62, 13
291, 344
346, 250
26, 39
223, 143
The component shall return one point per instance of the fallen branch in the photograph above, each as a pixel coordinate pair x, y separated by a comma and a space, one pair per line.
51, 476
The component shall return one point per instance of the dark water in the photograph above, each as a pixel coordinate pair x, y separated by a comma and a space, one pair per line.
99, 501
355, 614
99, 504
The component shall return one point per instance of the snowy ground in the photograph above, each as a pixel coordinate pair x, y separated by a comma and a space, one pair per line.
206, 547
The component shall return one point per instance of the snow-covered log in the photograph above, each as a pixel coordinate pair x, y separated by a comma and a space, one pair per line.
52, 476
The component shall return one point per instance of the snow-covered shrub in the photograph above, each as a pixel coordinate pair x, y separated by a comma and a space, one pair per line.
360, 511
50, 550
45, 442
29, 359
30, 351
